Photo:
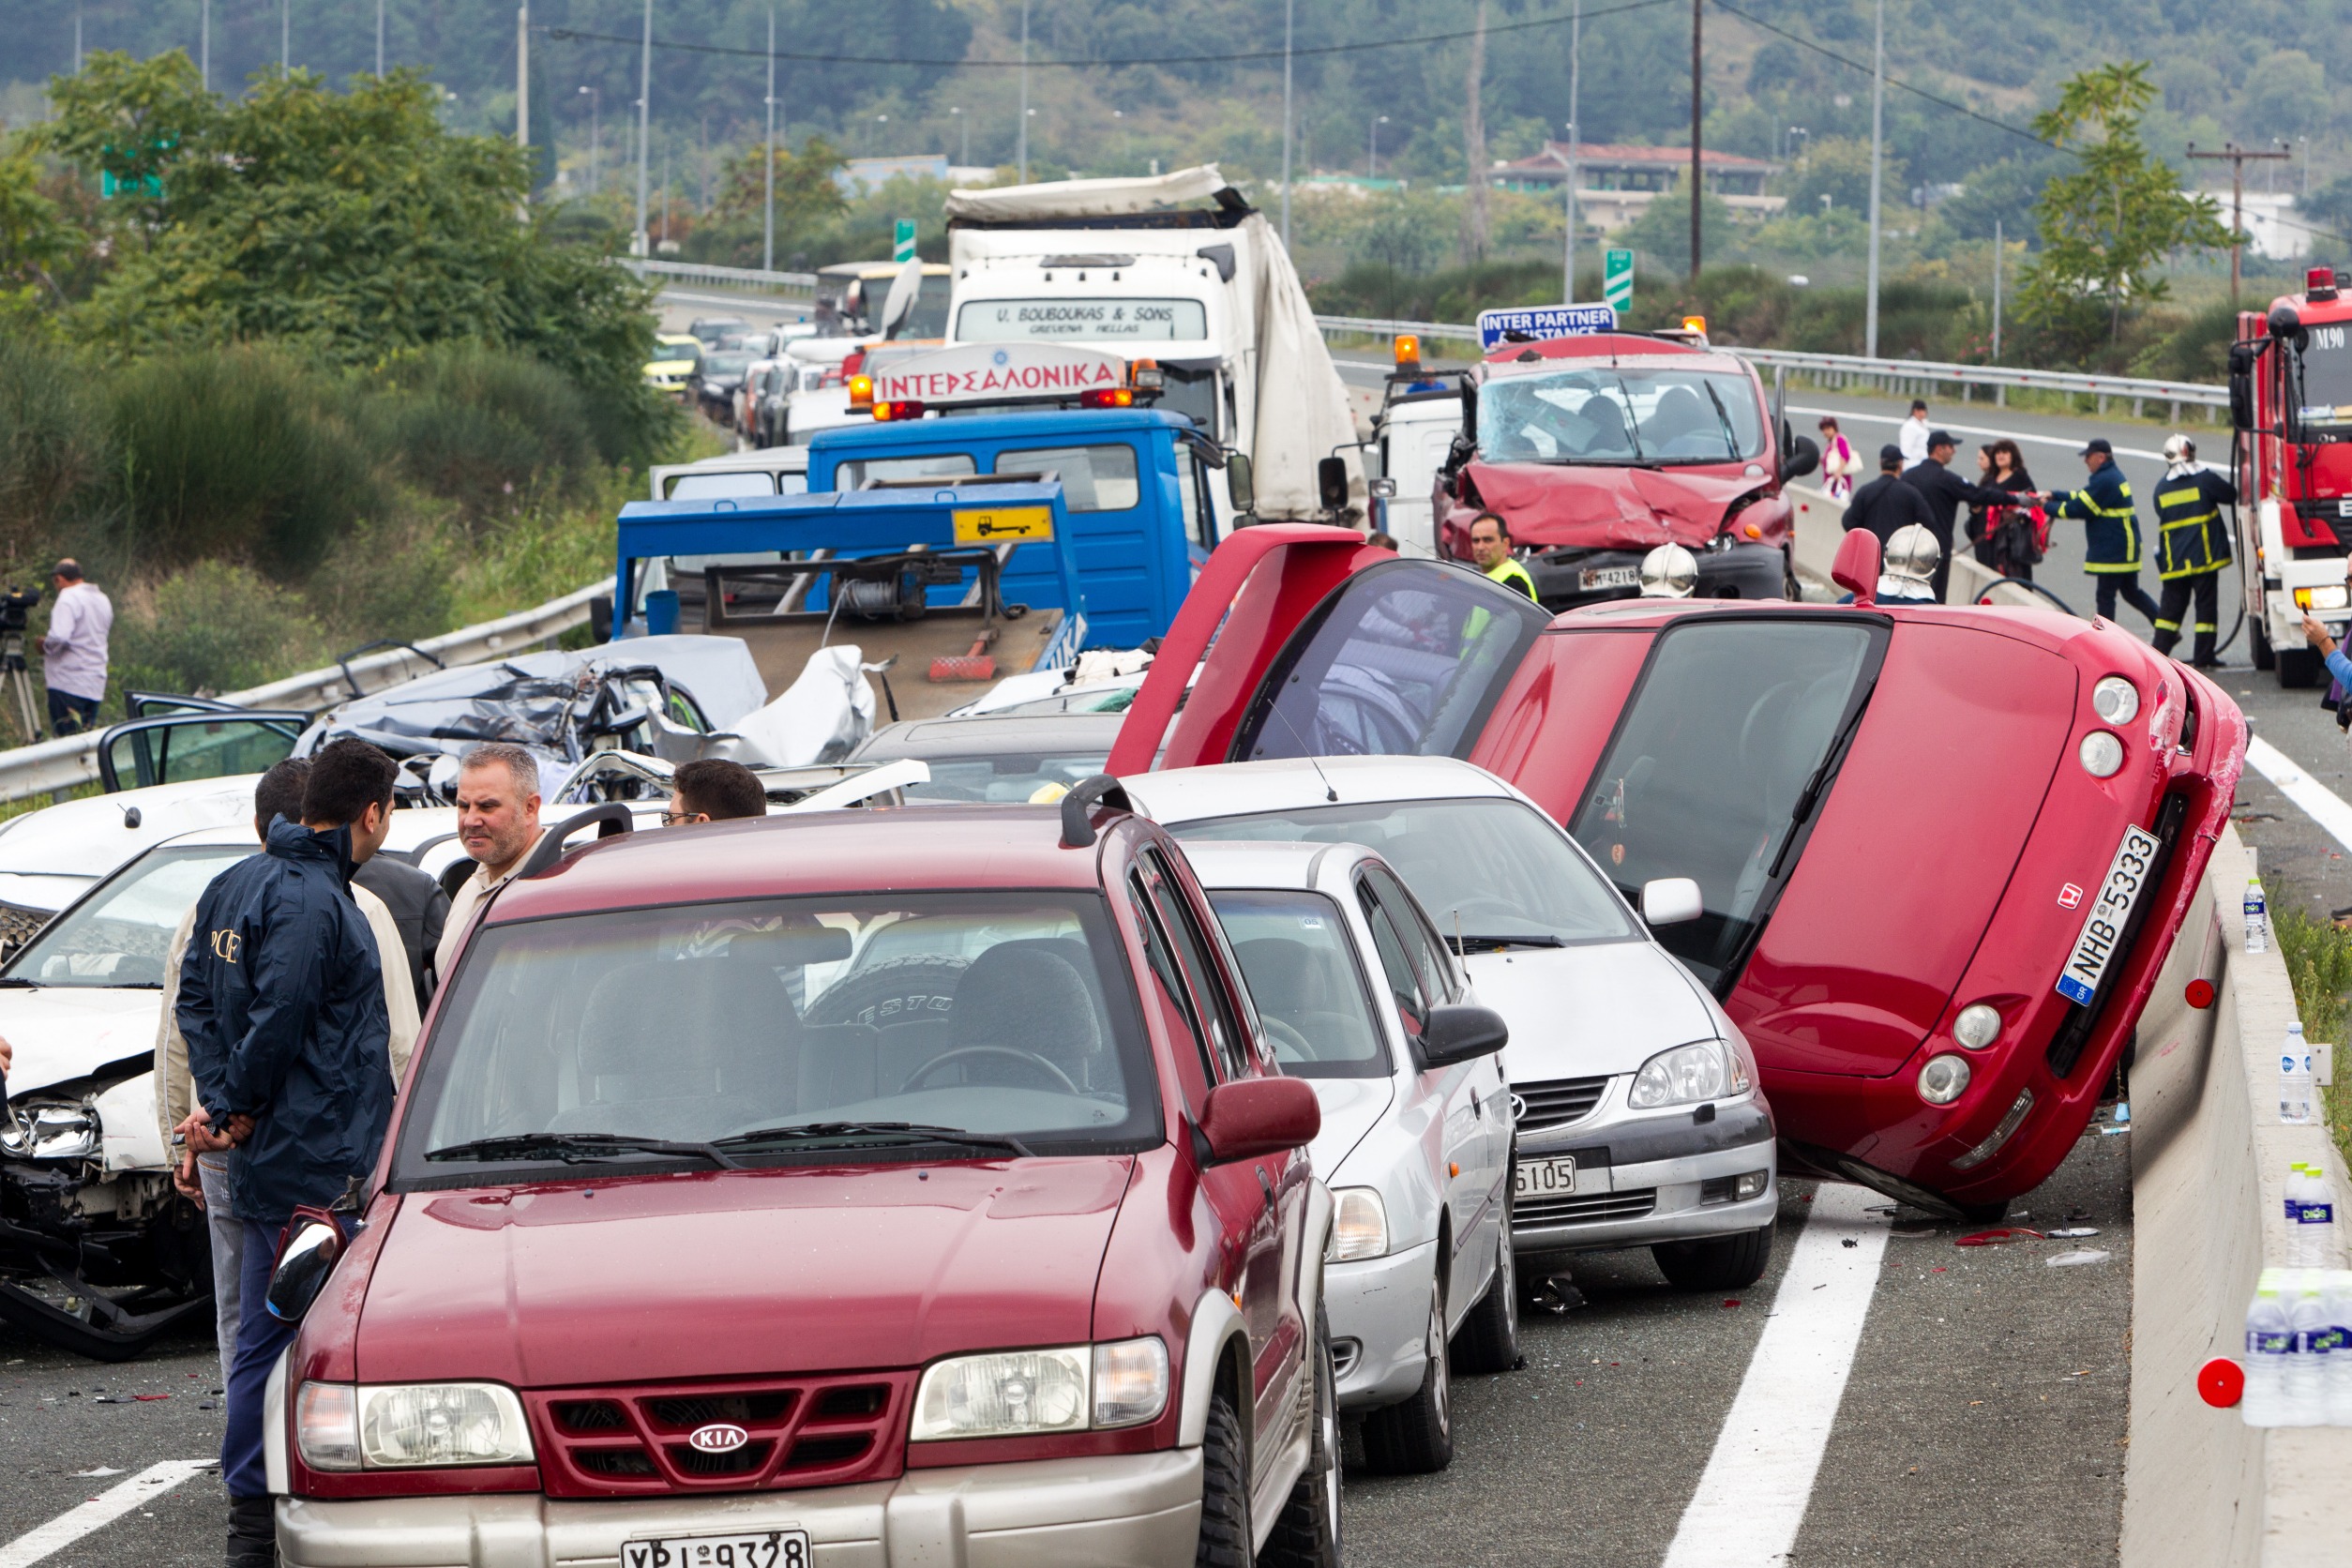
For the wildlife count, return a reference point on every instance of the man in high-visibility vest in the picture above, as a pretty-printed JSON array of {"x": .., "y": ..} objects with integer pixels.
[
  {"x": 1490, "y": 547},
  {"x": 2111, "y": 529},
  {"x": 2192, "y": 546}
]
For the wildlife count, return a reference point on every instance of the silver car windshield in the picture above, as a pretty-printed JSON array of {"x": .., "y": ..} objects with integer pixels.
[
  {"x": 1304, "y": 976},
  {"x": 1487, "y": 867},
  {"x": 121, "y": 936},
  {"x": 775, "y": 1027}
]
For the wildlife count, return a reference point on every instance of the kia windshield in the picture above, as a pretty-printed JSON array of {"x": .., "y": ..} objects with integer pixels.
[
  {"x": 1494, "y": 870},
  {"x": 1598, "y": 413},
  {"x": 1722, "y": 757},
  {"x": 120, "y": 936},
  {"x": 837, "y": 1028}
]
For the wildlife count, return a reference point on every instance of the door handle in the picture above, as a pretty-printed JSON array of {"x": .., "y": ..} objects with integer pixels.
[
  {"x": 1477, "y": 1108},
  {"x": 1265, "y": 1184}
]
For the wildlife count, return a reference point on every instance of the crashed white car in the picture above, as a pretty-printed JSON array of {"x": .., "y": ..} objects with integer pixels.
[
  {"x": 1361, "y": 999},
  {"x": 1641, "y": 1121}
]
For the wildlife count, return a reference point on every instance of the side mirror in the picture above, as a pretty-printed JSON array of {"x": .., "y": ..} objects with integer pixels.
[
  {"x": 312, "y": 1246},
  {"x": 1804, "y": 456},
  {"x": 1670, "y": 901},
  {"x": 1250, "y": 1116},
  {"x": 1241, "y": 484},
  {"x": 1331, "y": 483},
  {"x": 1459, "y": 1032}
]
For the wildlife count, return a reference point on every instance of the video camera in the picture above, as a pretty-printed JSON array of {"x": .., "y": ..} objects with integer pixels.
[{"x": 15, "y": 605}]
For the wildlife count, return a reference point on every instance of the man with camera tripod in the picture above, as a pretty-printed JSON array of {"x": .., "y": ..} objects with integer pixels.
[{"x": 73, "y": 654}]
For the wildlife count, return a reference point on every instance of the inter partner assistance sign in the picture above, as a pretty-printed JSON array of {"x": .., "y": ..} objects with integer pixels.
[
  {"x": 1535, "y": 322},
  {"x": 999, "y": 372}
]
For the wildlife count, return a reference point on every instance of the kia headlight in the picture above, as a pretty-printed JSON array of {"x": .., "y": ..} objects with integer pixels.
[
  {"x": 1685, "y": 1075},
  {"x": 51, "y": 1132},
  {"x": 410, "y": 1426},
  {"x": 1010, "y": 1394},
  {"x": 1359, "y": 1224}
]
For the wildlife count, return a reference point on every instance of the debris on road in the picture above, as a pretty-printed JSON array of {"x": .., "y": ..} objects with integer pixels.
[
  {"x": 1997, "y": 1237},
  {"x": 2072, "y": 1231},
  {"x": 2072, "y": 1259}
]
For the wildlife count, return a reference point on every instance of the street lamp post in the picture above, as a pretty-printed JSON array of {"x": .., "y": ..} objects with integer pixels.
[
  {"x": 1021, "y": 150},
  {"x": 1878, "y": 141},
  {"x": 965, "y": 124},
  {"x": 1289, "y": 15},
  {"x": 595, "y": 141},
  {"x": 1575, "y": 82},
  {"x": 767, "y": 198},
  {"x": 642, "y": 241},
  {"x": 1372, "y": 163}
]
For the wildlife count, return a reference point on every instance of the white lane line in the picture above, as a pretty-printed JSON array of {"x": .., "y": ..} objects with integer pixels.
[
  {"x": 1753, "y": 1495},
  {"x": 2070, "y": 444},
  {"x": 99, "y": 1512},
  {"x": 2313, "y": 798}
]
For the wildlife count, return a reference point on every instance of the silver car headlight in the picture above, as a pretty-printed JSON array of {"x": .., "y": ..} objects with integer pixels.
[
  {"x": 1686, "y": 1073},
  {"x": 410, "y": 1426},
  {"x": 51, "y": 1132},
  {"x": 1359, "y": 1226}
]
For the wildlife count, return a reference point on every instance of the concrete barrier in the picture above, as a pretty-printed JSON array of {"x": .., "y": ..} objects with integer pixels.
[
  {"x": 2209, "y": 1159},
  {"x": 1819, "y": 523}
]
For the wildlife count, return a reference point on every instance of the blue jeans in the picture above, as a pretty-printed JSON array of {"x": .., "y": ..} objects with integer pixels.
[
  {"x": 69, "y": 714},
  {"x": 260, "y": 1339}
]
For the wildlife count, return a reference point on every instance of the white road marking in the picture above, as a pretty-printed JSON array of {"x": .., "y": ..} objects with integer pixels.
[
  {"x": 2313, "y": 798},
  {"x": 1752, "y": 1497},
  {"x": 100, "y": 1511},
  {"x": 2070, "y": 444}
]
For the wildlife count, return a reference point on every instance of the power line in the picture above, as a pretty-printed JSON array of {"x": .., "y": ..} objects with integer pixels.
[{"x": 578, "y": 35}]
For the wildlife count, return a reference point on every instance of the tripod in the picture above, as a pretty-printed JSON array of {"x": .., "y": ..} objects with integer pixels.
[{"x": 20, "y": 681}]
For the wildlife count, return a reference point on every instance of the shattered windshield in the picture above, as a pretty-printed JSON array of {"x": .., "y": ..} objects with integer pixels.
[
  {"x": 121, "y": 935},
  {"x": 779, "y": 1026},
  {"x": 1602, "y": 414}
]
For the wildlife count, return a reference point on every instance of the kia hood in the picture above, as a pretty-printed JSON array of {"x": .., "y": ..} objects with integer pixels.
[
  {"x": 1580, "y": 1012},
  {"x": 63, "y": 1033},
  {"x": 1592, "y": 507},
  {"x": 608, "y": 1278}
]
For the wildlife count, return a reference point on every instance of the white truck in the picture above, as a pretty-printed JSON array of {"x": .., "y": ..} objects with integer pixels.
[{"x": 1179, "y": 269}]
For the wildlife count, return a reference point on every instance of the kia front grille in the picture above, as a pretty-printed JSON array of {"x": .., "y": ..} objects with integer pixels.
[{"x": 740, "y": 1436}]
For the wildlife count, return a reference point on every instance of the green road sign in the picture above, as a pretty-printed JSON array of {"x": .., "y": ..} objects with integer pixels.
[
  {"x": 1617, "y": 280},
  {"x": 145, "y": 184},
  {"x": 902, "y": 247}
]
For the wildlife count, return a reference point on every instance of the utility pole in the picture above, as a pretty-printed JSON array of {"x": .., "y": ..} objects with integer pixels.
[
  {"x": 77, "y": 40},
  {"x": 285, "y": 37},
  {"x": 595, "y": 141},
  {"x": 955, "y": 111},
  {"x": 1372, "y": 158},
  {"x": 523, "y": 76},
  {"x": 1997, "y": 290},
  {"x": 1698, "y": 84},
  {"x": 767, "y": 222},
  {"x": 1576, "y": 68},
  {"x": 204, "y": 45},
  {"x": 379, "y": 37},
  {"x": 2236, "y": 157},
  {"x": 1289, "y": 17},
  {"x": 1021, "y": 151},
  {"x": 641, "y": 242},
  {"x": 1877, "y": 156}
]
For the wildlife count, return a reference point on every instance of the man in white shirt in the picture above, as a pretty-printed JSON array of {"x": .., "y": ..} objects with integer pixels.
[
  {"x": 1911, "y": 435},
  {"x": 498, "y": 822},
  {"x": 73, "y": 654}
]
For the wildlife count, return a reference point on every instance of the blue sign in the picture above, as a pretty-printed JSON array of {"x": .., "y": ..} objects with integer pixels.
[{"x": 1538, "y": 321}]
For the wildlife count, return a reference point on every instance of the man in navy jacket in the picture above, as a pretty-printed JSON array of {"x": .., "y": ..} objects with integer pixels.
[{"x": 281, "y": 1003}]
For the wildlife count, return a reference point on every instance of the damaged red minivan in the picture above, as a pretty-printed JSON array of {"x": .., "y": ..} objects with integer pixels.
[
  {"x": 907, "y": 1187},
  {"x": 1943, "y": 852}
]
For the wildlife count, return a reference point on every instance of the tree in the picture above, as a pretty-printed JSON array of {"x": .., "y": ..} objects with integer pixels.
[
  {"x": 807, "y": 193},
  {"x": 1664, "y": 229},
  {"x": 36, "y": 235},
  {"x": 2106, "y": 226},
  {"x": 1838, "y": 167}
]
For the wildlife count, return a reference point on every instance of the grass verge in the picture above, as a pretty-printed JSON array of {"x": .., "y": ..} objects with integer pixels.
[{"x": 2319, "y": 964}]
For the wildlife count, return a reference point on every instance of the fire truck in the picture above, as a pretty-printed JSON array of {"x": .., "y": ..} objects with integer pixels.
[{"x": 2290, "y": 404}]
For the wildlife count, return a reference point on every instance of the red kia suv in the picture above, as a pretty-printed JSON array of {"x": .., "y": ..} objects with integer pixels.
[{"x": 910, "y": 1185}]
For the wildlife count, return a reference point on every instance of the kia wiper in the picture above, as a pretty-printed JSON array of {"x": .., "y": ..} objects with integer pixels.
[
  {"x": 572, "y": 1147},
  {"x": 919, "y": 1132},
  {"x": 1525, "y": 939}
]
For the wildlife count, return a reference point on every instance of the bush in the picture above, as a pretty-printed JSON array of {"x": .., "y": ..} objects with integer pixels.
[
  {"x": 388, "y": 580},
  {"x": 53, "y": 452},
  {"x": 215, "y": 626},
  {"x": 241, "y": 454},
  {"x": 483, "y": 426}
]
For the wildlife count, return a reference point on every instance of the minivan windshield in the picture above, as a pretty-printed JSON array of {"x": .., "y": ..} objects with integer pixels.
[
  {"x": 1603, "y": 415},
  {"x": 1722, "y": 756},
  {"x": 121, "y": 936},
  {"x": 835, "y": 1027},
  {"x": 1493, "y": 869}
]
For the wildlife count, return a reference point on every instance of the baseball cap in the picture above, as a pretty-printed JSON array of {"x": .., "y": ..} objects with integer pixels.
[
  {"x": 1890, "y": 453},
  {"x": 67, "y": 569},
  {"x": 2097, "y": 444},
  {"x": 1940, "y": 438}
]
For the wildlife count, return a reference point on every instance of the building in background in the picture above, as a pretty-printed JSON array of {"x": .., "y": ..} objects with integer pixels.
[{"x": 1615, "y": 184}]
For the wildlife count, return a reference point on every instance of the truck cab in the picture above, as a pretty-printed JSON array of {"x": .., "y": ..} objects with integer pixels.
[{"x": 2290, "y": 405}]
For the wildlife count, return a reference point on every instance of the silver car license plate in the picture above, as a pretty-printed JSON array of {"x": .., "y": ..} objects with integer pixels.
[
  {"x": 1546, "y": 1178},
  {"x": 768, "y": 1548},
  {"x": 2110, "y": 912},
  {"x": 1592, "y": 579}
]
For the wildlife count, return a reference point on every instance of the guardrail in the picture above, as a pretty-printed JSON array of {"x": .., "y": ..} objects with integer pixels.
[
  {"x": 1844, "y": 371},
  {"x": 72, "y": 760},
  {"x": 802, "y": 283}
]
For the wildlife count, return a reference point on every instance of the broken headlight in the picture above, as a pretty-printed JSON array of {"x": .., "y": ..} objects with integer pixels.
[{"x": 51, "y": 1132}]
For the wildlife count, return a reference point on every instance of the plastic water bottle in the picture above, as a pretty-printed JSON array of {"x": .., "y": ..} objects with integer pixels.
[
  {"x": 2315, "y": 1221},
  {"x": 2305, "y": 1401},
  {"x": 2339, "y": 1350},
  {"x": 2270, "y": 1342},
  {"x": 2258, "y": 917},
  {"x": 2295, "y": 1076}
]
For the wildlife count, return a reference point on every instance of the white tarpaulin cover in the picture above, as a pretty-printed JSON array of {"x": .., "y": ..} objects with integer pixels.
[
  {"x": 820, "y": 717},
  {"x": 1302, "y": 406}
]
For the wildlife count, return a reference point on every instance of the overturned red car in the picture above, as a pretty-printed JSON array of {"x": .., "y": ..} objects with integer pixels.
[{"x": 1943, "y": 852}]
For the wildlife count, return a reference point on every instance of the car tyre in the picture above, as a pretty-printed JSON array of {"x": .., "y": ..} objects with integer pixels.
[
  {"x": 1225, "y": 1538},
  {"x": 1718, "y": 1263},
  {"x": 1416, "y": 1437},
  {"x": 861, "y": 997},
  {"x": 1490, "y": 1339},
  {"x": 1307, "y": 1536}
]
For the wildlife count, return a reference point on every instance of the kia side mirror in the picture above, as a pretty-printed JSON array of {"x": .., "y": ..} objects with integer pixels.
[
  {"x": 1240, "y": 486},
  {"x": 1460, "y": 1032},
  {"x": 1804, "y": 456},
  {"x": 1670, "y": 901},
  {"x": 304, "y": 1263},
  {"x": 1251, "y": 1117}
]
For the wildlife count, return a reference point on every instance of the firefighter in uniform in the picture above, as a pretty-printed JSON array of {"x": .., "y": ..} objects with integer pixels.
[
  {"x": 1490, "y": 547},
  {"x": 2111, "y": 529},
  {"x": 2192, "y": 546}
]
